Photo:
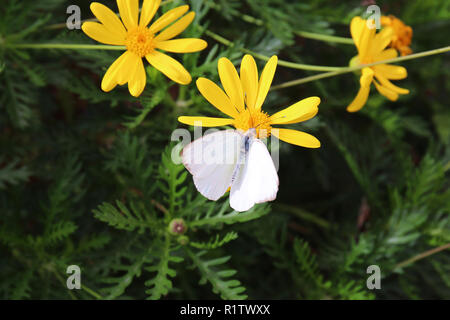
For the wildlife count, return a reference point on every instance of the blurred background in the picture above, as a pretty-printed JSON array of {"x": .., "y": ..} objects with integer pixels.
[{"x": 86, "y": 177}]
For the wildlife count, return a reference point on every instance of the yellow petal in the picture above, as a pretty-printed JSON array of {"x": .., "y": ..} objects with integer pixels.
[
  {"x": 205, "y": 121},
  {"x": 231, "y": 83},
  {"x": 216, "y": 97},
  {"x": 382, "y": 39},
  {"x": 129, "y": 12},
  {"x": 298, "y": 112},
  {"x": 386, "y": 54},
  {"x": 391, "y": 72},
  {"x": 363, "y": 93},
  {"x": 389, "y": 85},
  {"x": 128, "y": 67},
  {"x": 176, "y": 28},
  {"x": 249, "y": 80},
  {"x": 149, "y": 8},
  {"x": 366, "y": 77},
  {"x": 182, "y": 45},
  {"x": 169, "y": 66},
  {"x": 109, "y": 80},
  {"x": 168, "y": 17},
  {"x": 266, "y": 81},
  {"x": 366, "y": 41},
  {"x": 138, "y": 79},
  {"x": 360, "y": 99},
  {"x": 298, "y": 138},
  {"x": 99, "y": 33},
  {"x": 391, "y": 95},
  {"x": 109, "y": 20},
  {"x": 356, "y": 28}
]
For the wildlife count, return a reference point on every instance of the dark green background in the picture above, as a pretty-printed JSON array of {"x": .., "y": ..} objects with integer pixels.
[{"x": 376, "y": 192}]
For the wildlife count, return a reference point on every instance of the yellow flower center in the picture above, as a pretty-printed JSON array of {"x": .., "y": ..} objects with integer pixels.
[
  {"x": 140, "y": 41},
  {"x": 254, "y": 119}
]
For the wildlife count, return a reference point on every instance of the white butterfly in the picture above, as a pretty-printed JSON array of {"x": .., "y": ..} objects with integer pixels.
[{"x": 233, "y": 159}]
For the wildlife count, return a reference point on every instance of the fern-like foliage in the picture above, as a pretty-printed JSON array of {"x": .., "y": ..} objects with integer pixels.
[
  {"x": 22, "y": 287},
  {"x": 215, "y": 242},
  {"x": 213, "y": 217},
  {"x": 127, "y": 272},
  {"x": 11, "y": 173},
  {"x": 307, "y": 262},
  {"x": 172, "y": 177},
  {"x": 130, "y": 159},
  {"x": 148, "y": 103},
  {"x": 218, "y": 275},
  {"x": 164, "y": 254},
  {"x": 161, "y": 284},
  {"x": 124, "y": 218}
]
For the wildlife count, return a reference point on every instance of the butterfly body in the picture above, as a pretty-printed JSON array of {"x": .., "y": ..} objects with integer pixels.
[{"x": 250, "y": 134}]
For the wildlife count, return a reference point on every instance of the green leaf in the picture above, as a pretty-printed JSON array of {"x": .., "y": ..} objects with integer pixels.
[
  {"x": 216, "y": 242},
  {"x": 123, "y": 218},
  {"x": 12, "y": 174},
  {"x": 228, "y": 289},
  {"x": 59, "y": 231},
  {"x": 172, "y": 176},
  {"x": 161, "y": 284},
  {"x": 212, "y": 218},
  {"x": 22, "y": 287}
]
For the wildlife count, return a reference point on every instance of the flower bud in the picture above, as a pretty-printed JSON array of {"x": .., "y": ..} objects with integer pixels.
[{"x": 177, "y": 227}]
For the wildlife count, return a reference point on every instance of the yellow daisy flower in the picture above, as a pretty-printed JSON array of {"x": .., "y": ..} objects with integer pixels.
[
  {"x": 142, "y": 41},
  {"x": 402, "y": 36},
  {"x": 242, "y": 100},
  {"x": 372, "y": 48}
]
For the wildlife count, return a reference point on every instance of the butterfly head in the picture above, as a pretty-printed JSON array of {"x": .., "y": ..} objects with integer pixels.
[{"x": 251, "y": 133}]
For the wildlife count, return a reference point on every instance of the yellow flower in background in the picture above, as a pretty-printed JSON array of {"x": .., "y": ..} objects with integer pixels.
[
  {"x": 372, "y": 48},
  {"x": 243, "y": 98},
  {"x": 142, "y": 41},
  {"x": 401, "y": 38}
]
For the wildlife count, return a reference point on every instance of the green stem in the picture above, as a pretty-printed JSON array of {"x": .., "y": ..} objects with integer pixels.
[
  {"x": 91, "y": 292},
  {"x": 355, "y": 68},
  {"x": 64, "y": 46},
  {"x": 283, "y": 63},
  {"x": 294, "y": 65},
  {"x": 60, "y": 279},
  {"x": 324, "y": 37},
  {"x": 422, "y": 256},
  {"x": 85, "y": 288}
]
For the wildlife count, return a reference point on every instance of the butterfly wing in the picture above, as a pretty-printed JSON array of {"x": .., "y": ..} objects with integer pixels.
[
  {"x": 257, "y": 180},
  {"x": 211, "y": 160}
]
